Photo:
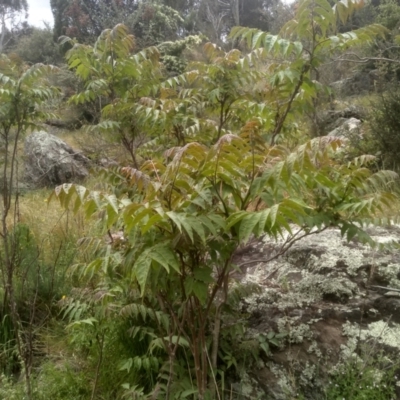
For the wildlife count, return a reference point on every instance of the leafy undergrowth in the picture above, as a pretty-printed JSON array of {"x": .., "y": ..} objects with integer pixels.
[{"x": 369, "y": 376}]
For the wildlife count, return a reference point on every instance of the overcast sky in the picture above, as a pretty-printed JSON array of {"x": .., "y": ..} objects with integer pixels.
[{"x": 39, "y": 11}]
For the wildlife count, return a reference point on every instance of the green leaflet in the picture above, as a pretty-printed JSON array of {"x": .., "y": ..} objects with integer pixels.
[
  {"x": 247, "y": 225},
  {"x": 160, "y": 254},
  {"x": 141, "y": 270},
  {"x": 165, "y": 256},
  {"x": 203, "y": 274},
  {"x": 200, "y": 290},
  {"x": 182, "y": 223},
  {"x": 188, "y": 285}
]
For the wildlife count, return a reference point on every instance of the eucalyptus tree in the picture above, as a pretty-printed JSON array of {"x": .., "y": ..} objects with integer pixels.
[
  {"x": 10, "y": 11},
  {"x": 150, "y": 20},
  {"x": 86, "y": 19}
]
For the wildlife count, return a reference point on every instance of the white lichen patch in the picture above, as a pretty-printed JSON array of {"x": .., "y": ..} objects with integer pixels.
[
  {"x": 262, "y": 301},
  {"x": 352, "y": 258},
  {"x": 318, "y": 267},
  {"x": 308, "y": 374},
  {"x": 294, "y": 299},
  {"x": 390, "y": 273},
  {"x": 284, "y": 380},
  {"x": 296, "y": 332},
  {"x": 333, "y": 249},
  {"x": 389, "y": 335},
  {"x": 382, "y": 234},
  {"x": 348, "y": 351},
  {"x": 249, "y": 387},
  {"x": 314, "y": 349},
  {"x": 380, "y": 331},
  {"x": 275, "y": 298},
  {"x": 317, "y": 286}
]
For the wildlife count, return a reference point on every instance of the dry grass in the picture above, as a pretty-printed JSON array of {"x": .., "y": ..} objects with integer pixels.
[
  {"x": 51, "y": 226},
  {"x": 75, "y": 138},
  {"x": 95, "y": 146}
]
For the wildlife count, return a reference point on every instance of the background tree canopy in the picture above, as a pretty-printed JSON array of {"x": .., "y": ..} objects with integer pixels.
[
  {"x": 9, "y": 11},
  {"x": 155, "y": 20}
]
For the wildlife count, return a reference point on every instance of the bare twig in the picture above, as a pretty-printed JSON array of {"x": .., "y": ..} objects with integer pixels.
[
  {"x": 363, "y": 60},
  {"x": 289, "y": 242}
]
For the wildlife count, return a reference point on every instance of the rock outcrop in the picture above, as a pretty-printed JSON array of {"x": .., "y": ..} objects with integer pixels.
[
  {"x": 350, "y": 126},
  {"x": 328, "y": 295},
  {"x": 49, "y": 161},
  {"x": 330, "y": 120},
  {"x": 361, "y": 82}
]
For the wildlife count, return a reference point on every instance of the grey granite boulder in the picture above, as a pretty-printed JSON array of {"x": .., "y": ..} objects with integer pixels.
[{"x": 50, "y": 161}]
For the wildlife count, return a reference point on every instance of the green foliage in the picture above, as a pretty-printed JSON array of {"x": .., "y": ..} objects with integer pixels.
[
  {"x": 266, "y": 90},
  {"x": 154, "y": 22},
  {"x": 9, "y": 362},
  {"x": 271, "y": 339},
  {"x": 304, "y": 50},
  {"x": 61, "y": 382},
  {"x": 37, "y": 285},
  {"x": 172, "y": 56},
  {"x": 58, "y": 382},
  {"x": 222, "y": 179},
  {"x": 22, "y": 93},
  {"x": 122, "y": 81},
  {"x": 38, "y": 46},
  {"x": 384, "y": 129},
  {"x": 8, "y": 390},
  {"x": 151, "y": 21},
  {"x": 389, "y": 15},
  {"x": 184, "y": 219},
  {"x": 362, "y": 378},
  {"x": 86, "y": 19}
]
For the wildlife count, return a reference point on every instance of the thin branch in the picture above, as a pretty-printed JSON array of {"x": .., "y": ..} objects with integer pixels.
[
  {"x": 363, "y": 60},
  {"x": 289, "y": 242}
]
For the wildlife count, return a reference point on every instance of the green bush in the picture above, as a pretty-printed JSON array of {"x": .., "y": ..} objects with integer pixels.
[
  {"x": 38, "y": 47},
  {"x": 385, "y": 129},
  {"x": 363, "y": 379},
  {"x": 62, "y": 382}
]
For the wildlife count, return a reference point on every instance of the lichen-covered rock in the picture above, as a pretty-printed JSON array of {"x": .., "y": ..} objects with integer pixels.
[
  {"x": 49, "y": 161},
  {"x": 326, "y": 294},
  {"x": 351, "y": 126},
  {"x": 329, "y": 120}
]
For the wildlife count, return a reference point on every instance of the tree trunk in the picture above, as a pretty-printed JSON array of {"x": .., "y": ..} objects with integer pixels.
[{"x": 2, "y": 33}]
